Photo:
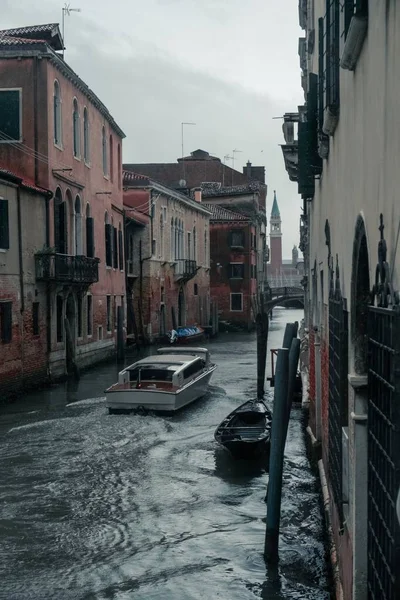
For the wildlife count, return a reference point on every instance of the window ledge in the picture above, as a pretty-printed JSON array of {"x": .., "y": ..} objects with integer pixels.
[
  {"x": 354, "y": 42},
  {"x": 87, "y": 164},
  {"x": 11, "y": 141},
  {"x": 60, "y": 147},
  {"x": 78, "y": 158},
  {"x": 330, "y": 121},
  {"x": 3, "y": 250}
]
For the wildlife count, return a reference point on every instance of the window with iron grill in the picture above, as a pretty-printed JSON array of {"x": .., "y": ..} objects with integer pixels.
[
  {"x": 331, "y": 55},
  {"x": 338, "y": 394},
  {"x": 236, "y": 271},
  {"x": 351, "y": 8},
  {"x": 383, "y": 452}
]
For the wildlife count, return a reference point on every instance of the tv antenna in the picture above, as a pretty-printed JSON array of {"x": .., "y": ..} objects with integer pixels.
[{"x": 67, "y": 10}]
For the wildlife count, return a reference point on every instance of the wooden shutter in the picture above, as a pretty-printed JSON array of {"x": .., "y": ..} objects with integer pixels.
[
  {"x": 10, "y": 115},
  {"x": 90, "y": 237},
  {"x": 108, "y": 238},
  {"x": 120, "y": 250},
  {"x": 115, "y": 248},
  {"x": 6, "y": 321},
  {"x": 4, "y": 225}
]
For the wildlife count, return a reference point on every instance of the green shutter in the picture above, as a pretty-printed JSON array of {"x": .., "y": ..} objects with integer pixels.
[
  {"x": 120, "y": 250},
  {"x": 4, "y": 225},
  {"x": 10, "y": 115},
  {"x": 108, "y": 238},
  {"x": 90, "y": 237}
]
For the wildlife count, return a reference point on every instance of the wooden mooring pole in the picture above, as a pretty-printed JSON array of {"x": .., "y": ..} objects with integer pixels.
[
  {"x": 262, "y": 325},
  {"x": 278, "y": 437}
]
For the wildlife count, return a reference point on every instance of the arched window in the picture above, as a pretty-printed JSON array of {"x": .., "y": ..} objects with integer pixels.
[
  {"x": 181, "y": 251},
  {"x": 78, "y": 227},
  {"x": 120, "y": 248},
  {"x": 119, "y": 166},
  {"x": 108, "y": 240},
  {"x": 60, "y": 223},
  {"x": 161, "y": 246},
  {"x": 194, "y": 244},
  {"x": 89, "y": 233},
  {"x": 111, "y": 159},
  {"x": 176, "y": 236},
  {"x": 76, "y": 130},
  {"x": 104, "y": 149},
  {"x": 57, "y": 114},
  {"x": 86, "y": 147},
  {"x": 172, "y": 239}
]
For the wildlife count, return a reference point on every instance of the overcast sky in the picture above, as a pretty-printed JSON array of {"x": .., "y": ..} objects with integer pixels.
[{"x": 227, "y": 65}]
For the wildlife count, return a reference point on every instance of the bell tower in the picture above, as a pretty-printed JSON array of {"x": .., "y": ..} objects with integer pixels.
[{"x": 275, "y": 235}]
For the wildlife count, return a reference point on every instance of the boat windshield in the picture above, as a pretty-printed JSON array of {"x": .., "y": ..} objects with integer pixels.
[{"x": 153, "y": 372}]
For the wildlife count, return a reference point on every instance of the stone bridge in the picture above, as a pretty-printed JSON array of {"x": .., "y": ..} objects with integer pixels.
[{"x": 276, "y": 296}]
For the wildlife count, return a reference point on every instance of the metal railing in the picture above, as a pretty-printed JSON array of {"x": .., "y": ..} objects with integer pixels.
[
  {"x": 185, "y": 269},
  {"x": 65, "y": 268}
]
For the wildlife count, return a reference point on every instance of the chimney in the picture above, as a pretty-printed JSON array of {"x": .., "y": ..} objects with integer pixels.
[
  {"x": 248, "y": 170},
  {"x": 197, "y": 194}
]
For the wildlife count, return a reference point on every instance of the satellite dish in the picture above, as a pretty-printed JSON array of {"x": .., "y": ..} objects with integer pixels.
[{"x": 182, "y": 183}]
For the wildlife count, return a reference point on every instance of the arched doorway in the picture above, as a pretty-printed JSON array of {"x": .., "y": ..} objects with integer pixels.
[
  {"x": 78, "y": 227},
  {"x": 70, "y": 333},
  {"x": 181, "y": 309}
]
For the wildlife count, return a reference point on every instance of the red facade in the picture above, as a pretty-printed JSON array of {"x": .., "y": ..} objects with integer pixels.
[{"x": 69, "y": 144}]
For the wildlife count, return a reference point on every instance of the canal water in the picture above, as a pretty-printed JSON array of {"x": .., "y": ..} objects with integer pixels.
[{"x": 122, "y": 507}]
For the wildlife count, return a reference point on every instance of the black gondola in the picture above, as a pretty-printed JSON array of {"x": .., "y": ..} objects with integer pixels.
[{"x": 246, "y": 431}]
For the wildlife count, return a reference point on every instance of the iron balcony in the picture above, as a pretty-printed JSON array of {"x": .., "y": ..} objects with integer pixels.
[
  {"x": 65, "y": 268},
  {"x": 185, "y": 269}
]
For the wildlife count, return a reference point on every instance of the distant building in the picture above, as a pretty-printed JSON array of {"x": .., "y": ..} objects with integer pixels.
[
  {"x": 57, "y": 135},
  {"x": 281, "y": 272},
  {"x": 167, "y": 254},
  {"x": 233, "y": 279}
]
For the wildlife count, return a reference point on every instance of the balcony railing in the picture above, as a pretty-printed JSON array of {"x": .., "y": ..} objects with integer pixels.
[
  {"x": 64, "y": 268},
  {"x": 185, "y": 269}
]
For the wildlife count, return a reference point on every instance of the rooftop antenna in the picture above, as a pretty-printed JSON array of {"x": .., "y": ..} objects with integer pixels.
[
  {"x": 233, "y": 157},
  {"x": 67, "y": 10},
  {"x": 183, "y": 154},
  {"x": 226, "y": 157}
]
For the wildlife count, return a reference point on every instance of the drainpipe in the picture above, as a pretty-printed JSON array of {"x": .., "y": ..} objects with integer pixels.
[{"x": 35, "y": 118}]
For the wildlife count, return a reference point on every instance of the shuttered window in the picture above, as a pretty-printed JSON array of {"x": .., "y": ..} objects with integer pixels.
[
  {"x": 108, "y": 236},
  {"x": 120, "y": 250},
  {"x": 6, "y": 322},
  {"x": 90, "y": 237},
  {"x": 10, "y": 115},
  {"x": 4, "y": 225},
  {"x": 115, "y": 248}
]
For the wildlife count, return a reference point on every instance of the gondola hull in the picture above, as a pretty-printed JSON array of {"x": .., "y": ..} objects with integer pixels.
[{"x": 245, "y": 432}]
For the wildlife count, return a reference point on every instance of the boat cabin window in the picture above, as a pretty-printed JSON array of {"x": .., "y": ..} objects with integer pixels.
[
  {"x": 153, "y": 373},
  {"x": 196, "y": 366}
]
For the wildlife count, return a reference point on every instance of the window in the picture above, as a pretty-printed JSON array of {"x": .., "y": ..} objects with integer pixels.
[
  {"x": 130, "y": 255},
  {"x": 104, "y": 150},
  {"x": 89, "y": 233},
  {"x": 89, "y": 328},
  {"x": 35, "y": 318},
  {"x": 57, "y": 114},
  {"x": 86, "y": 138},
  {"x": 236, "y": 302},
  {"x": 195, "y": 289},
  {"x": 194, "y": 244},
  {"x": 119, "y": 166},
  {"x": 172, "y": 240},
  {"x": 115, "y": 248},
  {"x": 237, "y": 239},
  {"x": 76, "y": 124},
  {"x": 111, "y": 159},
  {"x": 153, "y": 247},
  {"x": 332, "y": 38},
  {"x": 10, "y": 116},
  {"x": 120, "y": 248},
  {"x": 79, "y": 310},
  {"x": 161, "y": 248},
  {"x": 162, "y": 295},
  {"x": 6, "y": 322},
  {"x": 123, "y": 309},
  {"x": 108, "y": 313},
  {"x": 4, "y": 225},
  {"x": 78, "y": 227},
  {"x": 189, "y": 245},
  {"x": 115, "y": 312},
  {"x": 108, "y": 240},
  {"x": 205, "y": 249},
  {"x": 236, "y": 271},
  {"x": 60, "y": 327}
]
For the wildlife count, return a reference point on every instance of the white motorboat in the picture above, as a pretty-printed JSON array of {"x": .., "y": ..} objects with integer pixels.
[{"x": 166, "y": 382}]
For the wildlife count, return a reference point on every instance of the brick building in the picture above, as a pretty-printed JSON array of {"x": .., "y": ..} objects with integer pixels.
[
  {"x": 167, "y": 253},
  {"x": 233, "y": 276},
  {"x": 56, "y": 133},
  {"x": 23, "y": 339}
]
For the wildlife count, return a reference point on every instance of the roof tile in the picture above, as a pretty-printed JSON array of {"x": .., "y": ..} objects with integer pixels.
[{"x": 219, "y": 213}]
